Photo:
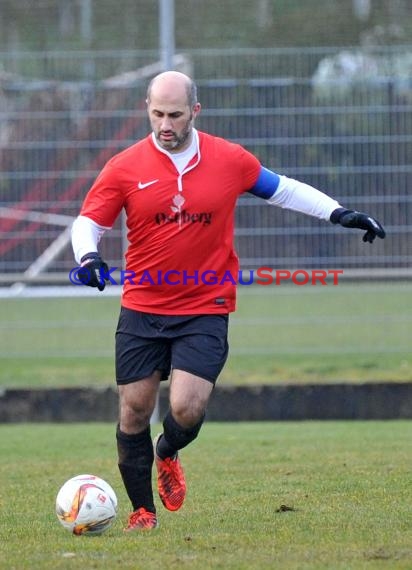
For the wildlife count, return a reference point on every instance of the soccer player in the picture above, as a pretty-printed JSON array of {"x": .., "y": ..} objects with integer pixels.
[{"x": 178, "y": 187}]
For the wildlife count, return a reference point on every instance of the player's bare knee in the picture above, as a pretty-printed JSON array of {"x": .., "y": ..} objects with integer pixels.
[
  {"x": 134, "y": 419},
  {"x": 187, "y": 415}
]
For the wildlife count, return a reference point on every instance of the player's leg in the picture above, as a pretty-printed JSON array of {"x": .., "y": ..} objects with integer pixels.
[
  {"x": 189, "y": 395},
  {"x": 134, "y": 445},
  {"x": 141, "y": 362},
  {"x": 198, "y": 356}
]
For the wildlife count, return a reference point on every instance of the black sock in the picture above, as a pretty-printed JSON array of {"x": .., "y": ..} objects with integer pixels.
[
  {"x": 136, "y": 457},
  {"x": 175, "y": 436}
]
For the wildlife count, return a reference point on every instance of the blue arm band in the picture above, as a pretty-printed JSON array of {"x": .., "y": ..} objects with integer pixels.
[{"x": 266, "y": 185}]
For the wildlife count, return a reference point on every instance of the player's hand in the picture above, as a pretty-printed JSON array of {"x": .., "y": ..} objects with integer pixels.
[
  {"x": 93, "y": 270},
  {"x": 353, "y": 219}
]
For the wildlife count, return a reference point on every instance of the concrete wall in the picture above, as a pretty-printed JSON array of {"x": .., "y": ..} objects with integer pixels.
[{"x": 261, "y": 403}]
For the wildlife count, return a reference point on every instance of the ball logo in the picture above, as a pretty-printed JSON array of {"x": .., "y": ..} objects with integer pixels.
[{"x": 102, "y": 498}]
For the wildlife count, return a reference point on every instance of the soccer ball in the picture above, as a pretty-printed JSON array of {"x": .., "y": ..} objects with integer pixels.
[{"x": 86, "y": 504}]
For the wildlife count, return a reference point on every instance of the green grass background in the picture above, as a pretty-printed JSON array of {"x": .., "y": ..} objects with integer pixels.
[
  {"x": 353, "y": 332},
  {"x": 349, "y": 485}
]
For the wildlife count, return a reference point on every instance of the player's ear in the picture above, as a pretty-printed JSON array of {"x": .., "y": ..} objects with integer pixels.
[{"x": 196, "y": 109}]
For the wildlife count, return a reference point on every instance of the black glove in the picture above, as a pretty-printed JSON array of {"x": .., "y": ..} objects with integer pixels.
[
  {"x": 352, "y": 219},
  {"x": 92, "y": 271}
]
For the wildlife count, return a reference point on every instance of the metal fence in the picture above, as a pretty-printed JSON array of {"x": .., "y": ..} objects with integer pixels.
[{"x": 339, "y": 120}]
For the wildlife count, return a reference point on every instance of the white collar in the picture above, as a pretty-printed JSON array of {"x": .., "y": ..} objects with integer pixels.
[{"x": 181, "y": 159}]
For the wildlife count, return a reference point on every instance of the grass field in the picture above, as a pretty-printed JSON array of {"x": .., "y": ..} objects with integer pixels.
[
  {"x": 348, "y": 487},
  {"x": 357, "y": 332}
]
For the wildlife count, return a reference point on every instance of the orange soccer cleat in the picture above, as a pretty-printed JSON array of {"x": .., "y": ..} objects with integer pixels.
[
  {"x": 141, "y": 520},
  {"x": 171, "y": 482}
]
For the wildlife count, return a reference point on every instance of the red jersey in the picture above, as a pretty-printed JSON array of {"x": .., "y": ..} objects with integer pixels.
[{"x": 181, "y": 258}]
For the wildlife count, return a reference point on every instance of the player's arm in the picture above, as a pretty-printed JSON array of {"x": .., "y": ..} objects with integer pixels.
[
  {"x": 86, "y": 235},
  {"x": 292, "y": 194},
  {"x": 99, "y": 211}
]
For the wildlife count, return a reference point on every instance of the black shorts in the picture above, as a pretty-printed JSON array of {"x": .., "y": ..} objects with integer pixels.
[{"x": 146, "y": 342}]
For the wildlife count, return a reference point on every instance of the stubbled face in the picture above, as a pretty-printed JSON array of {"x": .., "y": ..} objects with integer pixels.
[{"x": 171, "y": 117}]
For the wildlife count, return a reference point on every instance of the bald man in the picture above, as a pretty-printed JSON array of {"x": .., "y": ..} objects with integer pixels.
[{"x": 178, "y": 188}]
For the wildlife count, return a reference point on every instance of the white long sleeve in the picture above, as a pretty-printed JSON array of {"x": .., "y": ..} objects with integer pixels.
[
  {"x": 300, "y": 197},
  {"x": 86, "y": 235}
]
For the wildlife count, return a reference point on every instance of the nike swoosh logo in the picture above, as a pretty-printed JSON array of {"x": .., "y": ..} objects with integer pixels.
[{"x": 142, "y": 185}]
